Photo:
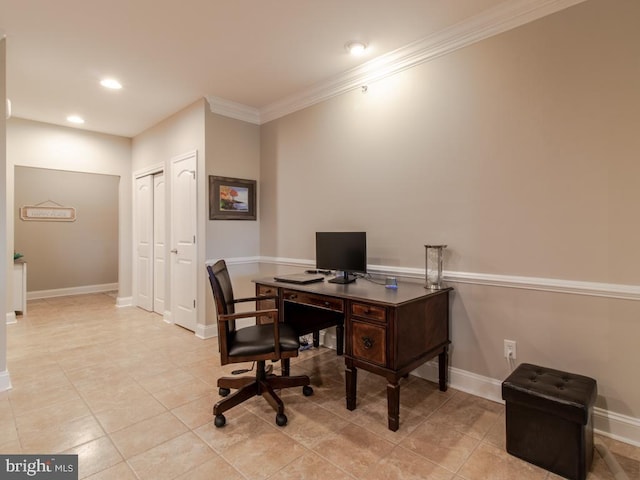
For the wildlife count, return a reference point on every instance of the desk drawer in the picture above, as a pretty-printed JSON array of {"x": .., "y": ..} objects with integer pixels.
[
  {"x": 265, "y": 304},
  {"x": 371, "y": 312},
  {"x": 369, "y": 342},
  {"x": 266, "y": 290},
  {"x": 330, "y": 303}
]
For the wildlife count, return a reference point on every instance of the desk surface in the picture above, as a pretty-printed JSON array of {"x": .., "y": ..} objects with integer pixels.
[{"x": 361, "y": 289}]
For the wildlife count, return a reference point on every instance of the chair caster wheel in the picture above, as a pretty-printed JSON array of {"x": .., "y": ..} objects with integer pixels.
[
  {"x": 223, "y": 392},
  {"x": 307, "y": 391},
  {"x": 281, "y": 419},
  {"x": 220, "y": 421}
]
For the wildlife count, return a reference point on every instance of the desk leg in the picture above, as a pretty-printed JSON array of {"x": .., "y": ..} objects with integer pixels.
[
  {"x": 393, "y": 406},
  {"x": 351, "y": 381},
  {"x": 340, "y": 339},
  {"x": 443, "y": 367}
]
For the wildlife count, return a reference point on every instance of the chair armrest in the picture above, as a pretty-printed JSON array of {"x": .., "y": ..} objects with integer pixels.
[
  {"x": 255, "y": 299},
  {"x": 272, "y": 312}
]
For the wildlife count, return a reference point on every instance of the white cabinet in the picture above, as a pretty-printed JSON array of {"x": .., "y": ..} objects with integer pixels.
[{"x": 20, "y": 286}]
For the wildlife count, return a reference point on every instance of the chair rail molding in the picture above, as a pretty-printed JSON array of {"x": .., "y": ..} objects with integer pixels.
[
  {"x": 576, "y": 287},
  {"x": 595, "y": 289}
]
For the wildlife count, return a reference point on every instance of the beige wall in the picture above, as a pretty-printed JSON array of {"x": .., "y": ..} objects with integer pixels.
[
  {"x": 68, "y": 254},
  {"x": 41, "y": 145},
  {"x": 233, "y": 150},
  {"x": 225, "y": 147},
  {"x": 520, "y": 152},
  {"x": 181, "y": 133}
]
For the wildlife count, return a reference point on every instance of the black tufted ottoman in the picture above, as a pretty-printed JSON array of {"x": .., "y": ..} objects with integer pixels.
[{"x": 549, "y": 419}]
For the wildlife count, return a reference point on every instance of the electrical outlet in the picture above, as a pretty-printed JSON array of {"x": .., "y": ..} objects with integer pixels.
[{"x": 510, "y": 349}]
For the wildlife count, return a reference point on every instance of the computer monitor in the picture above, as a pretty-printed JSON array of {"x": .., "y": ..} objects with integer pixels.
[{"x": 342, "y": 251}]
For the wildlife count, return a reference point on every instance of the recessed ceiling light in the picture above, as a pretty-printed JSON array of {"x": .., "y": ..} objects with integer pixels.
[
  {"x": 75, "y": 119},
  {"x": 111, "y": 83},
  {"x": 356, "y": 48}
]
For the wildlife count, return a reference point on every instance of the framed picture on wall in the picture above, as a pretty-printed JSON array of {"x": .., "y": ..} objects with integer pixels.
[{"x": 231, "y": 198}]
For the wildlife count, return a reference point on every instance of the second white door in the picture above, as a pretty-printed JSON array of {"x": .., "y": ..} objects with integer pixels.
[{"x": 183, "y": 240}]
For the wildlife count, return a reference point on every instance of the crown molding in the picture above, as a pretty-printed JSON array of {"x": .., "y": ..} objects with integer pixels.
[
  {"x": 501, "y": 18},
  {"x": 235, "y": 110},
  {"x": 505, "y": 16}
]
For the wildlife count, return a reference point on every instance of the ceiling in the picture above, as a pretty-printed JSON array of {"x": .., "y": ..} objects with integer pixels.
[{"x": 167, "y": 54}]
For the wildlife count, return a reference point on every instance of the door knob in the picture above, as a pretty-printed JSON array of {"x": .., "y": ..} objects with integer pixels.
[{"x": 175, "y": 250}]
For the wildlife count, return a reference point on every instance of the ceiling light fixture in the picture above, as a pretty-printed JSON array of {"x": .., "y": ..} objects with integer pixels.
[
  {"x": 111, "y": 83},
  {"x": 75, "y": 119},
  {"x": 356, "y": 48}
]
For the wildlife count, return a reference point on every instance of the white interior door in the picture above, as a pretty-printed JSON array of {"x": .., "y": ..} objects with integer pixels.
[
  {"x": 144, "y": 242},
  {"x": 159, "y": 242},
  {"x": 183, "y": 241}
]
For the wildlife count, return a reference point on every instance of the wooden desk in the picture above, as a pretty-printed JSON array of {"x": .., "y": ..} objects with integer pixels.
[{"x": 388, "y": 332}]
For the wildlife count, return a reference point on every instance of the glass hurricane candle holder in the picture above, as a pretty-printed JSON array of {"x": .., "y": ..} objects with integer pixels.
[{"x": 434, "y": 256}]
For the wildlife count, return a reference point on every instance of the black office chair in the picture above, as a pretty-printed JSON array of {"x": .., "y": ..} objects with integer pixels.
[{"x": 256, "y": 343}]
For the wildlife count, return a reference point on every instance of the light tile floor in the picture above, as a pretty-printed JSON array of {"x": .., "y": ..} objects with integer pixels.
[{"x": 132, "y": 395}]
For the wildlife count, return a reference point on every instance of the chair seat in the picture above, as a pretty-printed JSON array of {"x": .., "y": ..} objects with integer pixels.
[{"x": 258, "y": 340}]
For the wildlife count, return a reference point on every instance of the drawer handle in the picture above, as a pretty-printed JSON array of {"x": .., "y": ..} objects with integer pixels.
[
  {"x": 293, "y": 296},
  {"x": 327, "y": 304},
  {"x": 367, "y": 342}
]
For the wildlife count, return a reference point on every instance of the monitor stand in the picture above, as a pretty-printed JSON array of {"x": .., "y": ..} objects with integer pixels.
[{"x": 346, "y": 277}]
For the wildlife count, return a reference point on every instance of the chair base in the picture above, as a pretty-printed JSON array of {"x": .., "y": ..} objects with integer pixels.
[{"x": 261, "y": 384}]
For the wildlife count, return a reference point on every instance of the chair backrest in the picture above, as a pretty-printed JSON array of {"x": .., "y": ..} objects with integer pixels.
[
  {"x": 222, "y": 287},
  {"x": 223, "y": 296}
]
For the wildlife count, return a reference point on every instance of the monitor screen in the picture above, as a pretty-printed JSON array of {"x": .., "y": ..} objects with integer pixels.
[{"x": 342, "y": 251}]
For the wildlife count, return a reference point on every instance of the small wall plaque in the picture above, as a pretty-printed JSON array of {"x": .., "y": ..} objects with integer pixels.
[{"x": 48, "y": 214}]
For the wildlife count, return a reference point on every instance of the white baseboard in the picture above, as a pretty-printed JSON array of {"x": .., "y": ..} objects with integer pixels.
[
  {"x": 63, "y": 292},
  {"x": 124, "y": 302},
  {"x": 5, "y": 381},
  {"x": 167, "y": 317},
  {"x": 610, "y": 424},
  {"x": 462, "y": 380},
  {"x": 11, "y": 318},
  {"x": 619, "y": 427},
  {"x": 206, "y": 331}
]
